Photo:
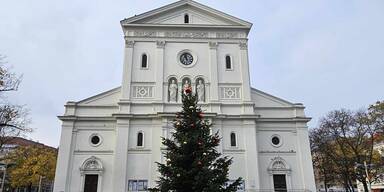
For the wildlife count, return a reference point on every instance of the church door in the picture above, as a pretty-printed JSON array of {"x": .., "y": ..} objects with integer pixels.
[
  {"x": 90, "y": 184},
  {"x": 279, "y": 183}
]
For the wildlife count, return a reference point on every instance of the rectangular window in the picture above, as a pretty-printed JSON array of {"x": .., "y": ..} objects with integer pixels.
[{"x": 137, "y": 185}]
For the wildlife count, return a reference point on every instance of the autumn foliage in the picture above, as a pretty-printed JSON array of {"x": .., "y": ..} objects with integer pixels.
[{"x": 30, "y": 163}]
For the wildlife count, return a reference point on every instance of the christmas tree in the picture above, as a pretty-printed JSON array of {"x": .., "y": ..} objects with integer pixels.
[{"x": 192, "y": 162}]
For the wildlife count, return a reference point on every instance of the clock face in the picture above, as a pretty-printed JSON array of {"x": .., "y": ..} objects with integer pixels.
[{"x": 186, "y": 58}]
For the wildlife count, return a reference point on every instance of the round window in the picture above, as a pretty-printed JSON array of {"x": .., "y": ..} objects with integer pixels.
[
  {"x": 275, "y": 140},
  {"x": 95, "y": 140}
]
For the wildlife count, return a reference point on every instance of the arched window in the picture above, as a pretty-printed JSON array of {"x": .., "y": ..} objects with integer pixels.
[
  {"x": 140, "y": 139},
  {"x": 233, "y": 139},
  {"x": 144, "y": 61},
  {"x": 186, "y": 18},
  {"x": 228, "y": 62}
]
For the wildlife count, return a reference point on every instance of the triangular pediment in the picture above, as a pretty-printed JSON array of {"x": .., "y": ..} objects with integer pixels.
[
  {"x": 263, "y": 99},
  {"x": 198, "y": 14}
]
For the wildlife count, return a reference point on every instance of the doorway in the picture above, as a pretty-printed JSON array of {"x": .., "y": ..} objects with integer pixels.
[
  {"x": 279, "y": 183},
  {"x": 90, "y": 184}
]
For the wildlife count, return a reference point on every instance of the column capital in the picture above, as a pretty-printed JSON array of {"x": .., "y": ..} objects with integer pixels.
[
  {"x": 129, "y": 43},
  {"x": 243, "y": 45},
  {"x": 161, "y": 44},
  {"x": 213, "y": 44}
]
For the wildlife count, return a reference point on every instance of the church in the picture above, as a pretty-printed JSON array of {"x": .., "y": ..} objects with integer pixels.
[{"x": 111, "y": 141}]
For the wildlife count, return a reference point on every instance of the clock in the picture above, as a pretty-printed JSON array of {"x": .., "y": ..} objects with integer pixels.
[{"x": 186, "y": 59}]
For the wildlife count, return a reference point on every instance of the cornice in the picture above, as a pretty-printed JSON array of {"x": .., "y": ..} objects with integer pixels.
[
  {"x": 186, "y": 26},
  {"x": 287, "y": 119},
  {"x": 183, "y": 33}
]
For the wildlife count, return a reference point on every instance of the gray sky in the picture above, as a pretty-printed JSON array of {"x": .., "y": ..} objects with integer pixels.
[{"x": 326, "y": 54}]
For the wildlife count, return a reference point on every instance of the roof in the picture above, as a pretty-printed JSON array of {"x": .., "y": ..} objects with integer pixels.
[{"x": 19, "y": 141}]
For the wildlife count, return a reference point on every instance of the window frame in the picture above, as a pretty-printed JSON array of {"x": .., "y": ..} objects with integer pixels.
[
  {"x": 142, "y": 139},
  {"x": 187, "y": 19},
  {"x": 95, "y": 135},
  {"x": 230, "y": 62},
  {"x": 234, "y": 137},
  {"x": 146, "y": 63}
]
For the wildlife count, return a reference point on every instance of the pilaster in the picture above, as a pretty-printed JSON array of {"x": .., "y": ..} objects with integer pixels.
[
  {"x": 121, "y": 156},
  {"x": 252, "y": 159},
  {"x": 65, "y": 160},
  {"x": 214, "y": 86},
  {"x": 160, "y": 70},
  {"x": 127, "y": 69},
  {"x": 305, "y": 158},
  {"x": 244, "y": 63}
]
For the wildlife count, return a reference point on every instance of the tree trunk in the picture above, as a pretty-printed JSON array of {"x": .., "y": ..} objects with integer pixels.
[
  {"x": 365, "y": 186},
  {"x": 29, "y": 189}
]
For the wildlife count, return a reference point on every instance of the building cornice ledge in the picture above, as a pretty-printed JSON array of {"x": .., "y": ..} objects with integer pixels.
[
  {"x": 189, "y": 26},
  {"x": 293, "y": 119},
  {"x": 80, "y": 118}
]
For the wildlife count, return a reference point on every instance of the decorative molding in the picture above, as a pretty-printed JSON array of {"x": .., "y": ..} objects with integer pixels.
[
  {"x": 142, "y": 92},
  {"x": 243, "y": 45},
  {"x": 91, "y": 164},
  {"x": 230, "y": 92},
  {"x": 186, "y": 34},
  {"x": 213, "y": 45},
  {"x": 129, "y": 44},
  {"x": 144, "y": 33},
  {"x": 160, "y": 44},
  {"x": 279, "y": 152},
  {"x": 279, "y": 165},
  {"x": 227, "y": 35}
]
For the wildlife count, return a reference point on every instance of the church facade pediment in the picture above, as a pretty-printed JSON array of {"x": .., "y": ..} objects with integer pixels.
[{"x": 175, "y": 14}]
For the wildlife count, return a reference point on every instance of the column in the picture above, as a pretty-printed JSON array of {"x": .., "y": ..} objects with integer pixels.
[
  {"x": 120, "y": 182},
  {"x": 127, "y": 69},
  {"x": 252, "y": 161},
  {"x": 160, "y": 71},
  {"x": 214, "y": 84},
  {"x": 246, "y": 87}
]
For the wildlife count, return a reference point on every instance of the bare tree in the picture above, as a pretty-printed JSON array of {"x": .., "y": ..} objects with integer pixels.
[
  {"x": 347, "y": 139},
  {"x": 323, "y": 157},
  {"x": 13, "y": 121},
  {"x": 9, "y": 81}
]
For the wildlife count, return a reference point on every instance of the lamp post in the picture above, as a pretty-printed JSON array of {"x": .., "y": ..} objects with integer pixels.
[{"x": 40, "y": 181}]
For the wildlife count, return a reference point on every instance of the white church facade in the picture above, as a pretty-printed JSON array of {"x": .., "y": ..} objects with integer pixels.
[{"x": 110, "y": 142}]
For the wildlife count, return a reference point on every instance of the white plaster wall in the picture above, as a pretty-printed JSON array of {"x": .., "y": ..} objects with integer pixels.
[
  {"x": 172, "y": 66},
  {"x": 139, "y": 74},
  {"x": 139, "y": 165},
  {"x": 224, "y": 75},
  {"x": 83, "y": 140}
]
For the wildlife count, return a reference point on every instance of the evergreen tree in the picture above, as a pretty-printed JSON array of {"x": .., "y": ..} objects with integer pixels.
[{"x": 192, "y": 162}]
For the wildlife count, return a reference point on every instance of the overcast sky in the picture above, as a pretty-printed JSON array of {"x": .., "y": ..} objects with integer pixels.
[{"x": 326, "y": 54}]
